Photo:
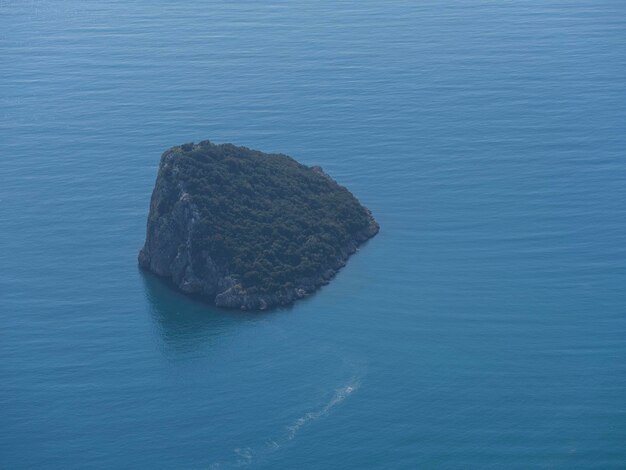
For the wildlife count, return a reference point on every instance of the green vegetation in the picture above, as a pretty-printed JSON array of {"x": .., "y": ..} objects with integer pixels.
[{"x": 266, "y": 217}]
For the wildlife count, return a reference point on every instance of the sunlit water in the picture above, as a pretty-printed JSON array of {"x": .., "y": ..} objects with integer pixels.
[{"x": 483, "y": 328}]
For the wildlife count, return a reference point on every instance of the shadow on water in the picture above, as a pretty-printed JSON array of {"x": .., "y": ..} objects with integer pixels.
[{"x": 187, "y": 324}]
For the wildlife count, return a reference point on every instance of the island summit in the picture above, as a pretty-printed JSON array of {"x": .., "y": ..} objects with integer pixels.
[{"x": 246, "y": 229}]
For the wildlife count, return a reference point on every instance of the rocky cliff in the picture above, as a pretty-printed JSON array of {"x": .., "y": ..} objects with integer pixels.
[{"x": 249, "y": 230}]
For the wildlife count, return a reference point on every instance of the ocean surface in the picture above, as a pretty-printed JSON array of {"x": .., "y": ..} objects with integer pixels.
[{"x": 484, "y": 327}]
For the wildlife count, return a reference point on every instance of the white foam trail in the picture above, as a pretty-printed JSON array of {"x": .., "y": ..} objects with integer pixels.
[
  {"x": 245, "y": 456},
  {"x": 339, "y": 396}
]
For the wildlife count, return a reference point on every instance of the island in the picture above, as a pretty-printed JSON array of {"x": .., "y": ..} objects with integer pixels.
[{"x": 246, "y": 229}]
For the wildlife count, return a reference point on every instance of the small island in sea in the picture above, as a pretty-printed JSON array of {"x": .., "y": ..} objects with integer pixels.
[{"x": 246, "y": 229}]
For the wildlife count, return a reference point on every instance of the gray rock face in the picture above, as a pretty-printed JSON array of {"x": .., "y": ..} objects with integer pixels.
[{"x": 170, "y": 253}]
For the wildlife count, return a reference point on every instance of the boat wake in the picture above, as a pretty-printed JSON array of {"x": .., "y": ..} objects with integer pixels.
[
  {"x": 246, "y": 456},
  {"x": 339, "y": 396}
]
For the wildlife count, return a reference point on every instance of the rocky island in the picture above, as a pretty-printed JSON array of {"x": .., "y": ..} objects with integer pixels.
[{"x": 249, "y": 230}]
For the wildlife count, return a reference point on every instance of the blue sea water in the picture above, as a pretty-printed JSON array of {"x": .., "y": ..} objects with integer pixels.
[{"x": 484, "y": 327}]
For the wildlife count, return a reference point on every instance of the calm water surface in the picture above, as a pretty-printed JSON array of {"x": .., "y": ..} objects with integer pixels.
[{"x": 483, "y": 328}]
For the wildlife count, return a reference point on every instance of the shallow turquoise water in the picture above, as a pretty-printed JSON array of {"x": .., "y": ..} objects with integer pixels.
[{"x": 483, "y": 328}]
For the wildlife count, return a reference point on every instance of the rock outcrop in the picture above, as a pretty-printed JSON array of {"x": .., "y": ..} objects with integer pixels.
[{"x": 249, "y": 230}]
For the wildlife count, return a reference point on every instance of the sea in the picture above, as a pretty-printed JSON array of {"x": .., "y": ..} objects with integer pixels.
[{"x": 483, "y": 328}]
